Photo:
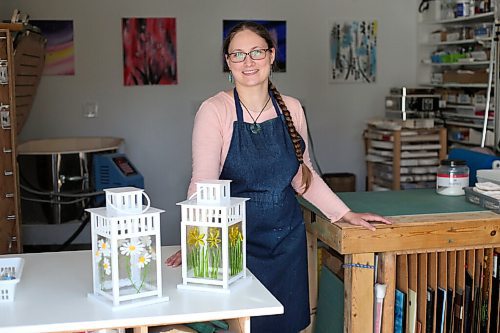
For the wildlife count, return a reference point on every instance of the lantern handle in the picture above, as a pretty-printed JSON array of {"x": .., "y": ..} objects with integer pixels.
[
  {"x": 148, "y": 204},
  {"x": 126, "y": 212}
]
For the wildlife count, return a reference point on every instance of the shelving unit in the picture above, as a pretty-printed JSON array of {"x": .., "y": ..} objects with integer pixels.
[
  {"x": 454, "y": 58},
  {"x": 403, "y": 159},
  {"x": 434, "y": 241},
  {"x": 20, "y": 70},
  {"x": 9, "y": 195},
  {"x": 460, "y": 279}
]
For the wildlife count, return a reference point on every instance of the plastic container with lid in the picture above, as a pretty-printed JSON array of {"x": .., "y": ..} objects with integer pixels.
[{"x": 452, "y": 177}]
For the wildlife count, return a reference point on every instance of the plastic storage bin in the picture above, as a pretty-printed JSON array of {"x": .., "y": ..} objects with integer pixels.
[
  {"x": 482, "y": 200},
  {"x": 10, "y": 267}
]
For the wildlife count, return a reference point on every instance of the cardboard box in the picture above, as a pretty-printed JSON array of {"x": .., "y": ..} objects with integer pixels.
[
  {"x": 437, "y": 78},
  {"x": 475, "y": 136},
  {"x": 437, "y": 36},
  {"x": 465, "y": 76}
]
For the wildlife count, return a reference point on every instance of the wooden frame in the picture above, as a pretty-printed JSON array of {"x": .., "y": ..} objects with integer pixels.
[
  {"x": 9, "y": 183},
  {"x": 412, "y": 235}
]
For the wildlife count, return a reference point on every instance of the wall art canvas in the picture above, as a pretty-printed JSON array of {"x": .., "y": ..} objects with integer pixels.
[
  {"x": 353, "y": 51},
  {"x": 277, "y": 29},
  {"x": 60, "y": 50},
  {"x": 149, "y": 51}
]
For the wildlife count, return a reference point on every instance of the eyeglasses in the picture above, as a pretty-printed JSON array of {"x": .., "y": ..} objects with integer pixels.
[{"x": 239, "y": 56}]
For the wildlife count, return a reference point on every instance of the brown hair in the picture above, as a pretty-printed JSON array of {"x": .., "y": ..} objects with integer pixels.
[
  {"x": 294, "y": 135},
  {"x": 306, "y": 173}
]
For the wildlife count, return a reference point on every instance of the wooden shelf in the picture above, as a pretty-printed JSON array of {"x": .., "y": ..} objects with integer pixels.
[
  {"x": 456, "y": 85},
  {"x": 478, "y": 18},
  {"x": 10, "y": 241},
  {"x": 388, "y": 152},
  {"x": 460, "y": 42},
  {"x": 474, "y": 33},
  {"x": 468, "y": 106},
  {"x": 456, "y": 64},
  {"x": 464, "y": 124}
]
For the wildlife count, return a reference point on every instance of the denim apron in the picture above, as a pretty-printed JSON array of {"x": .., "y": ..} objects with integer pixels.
[{"x": 261, "y": 166}]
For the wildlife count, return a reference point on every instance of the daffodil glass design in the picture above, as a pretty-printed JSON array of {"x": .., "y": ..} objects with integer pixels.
[{"x": 213, "y": 237}]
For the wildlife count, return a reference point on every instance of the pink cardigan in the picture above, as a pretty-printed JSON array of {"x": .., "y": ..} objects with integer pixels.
[{"x": 212, "y": 133}]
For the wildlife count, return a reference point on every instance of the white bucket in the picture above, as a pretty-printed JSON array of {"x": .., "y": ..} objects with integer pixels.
[{"x": 126, "y": 200}]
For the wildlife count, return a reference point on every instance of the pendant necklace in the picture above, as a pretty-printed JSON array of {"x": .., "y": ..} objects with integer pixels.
[{"x": 255, "y": 128}]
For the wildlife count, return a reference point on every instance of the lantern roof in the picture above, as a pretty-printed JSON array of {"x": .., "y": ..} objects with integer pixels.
[
  {"x": 232, "y": 202},
  {"x": 103, "y": 212}
]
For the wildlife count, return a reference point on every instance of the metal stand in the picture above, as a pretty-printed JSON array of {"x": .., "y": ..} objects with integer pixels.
[{"x": 494, "y": 55}]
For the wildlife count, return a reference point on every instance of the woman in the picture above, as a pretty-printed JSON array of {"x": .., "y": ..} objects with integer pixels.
[{"x": 255, "y": 137}]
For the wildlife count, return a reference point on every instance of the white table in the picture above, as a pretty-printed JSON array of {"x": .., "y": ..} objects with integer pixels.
[{"x": 52, "y": 297}]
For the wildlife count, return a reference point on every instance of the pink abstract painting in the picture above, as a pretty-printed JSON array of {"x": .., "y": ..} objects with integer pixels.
[{"x": 149, "y": 51}]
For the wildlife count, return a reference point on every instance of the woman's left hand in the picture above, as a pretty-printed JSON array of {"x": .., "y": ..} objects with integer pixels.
[{"x": 364, "y": 219}]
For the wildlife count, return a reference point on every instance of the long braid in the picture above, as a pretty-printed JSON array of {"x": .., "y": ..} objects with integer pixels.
[{"x": 306, "y": 173}]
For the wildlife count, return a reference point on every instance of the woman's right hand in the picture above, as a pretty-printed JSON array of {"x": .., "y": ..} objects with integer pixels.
[{"x": 174, "y": 260}]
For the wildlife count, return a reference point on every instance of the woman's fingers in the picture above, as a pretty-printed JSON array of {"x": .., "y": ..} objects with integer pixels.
[
  {"x": 364, "y": 219},
  {"x": 375, "y": 218},
  {"x": 174, "y": 260}
]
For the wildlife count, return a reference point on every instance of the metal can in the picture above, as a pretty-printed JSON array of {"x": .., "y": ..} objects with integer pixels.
[
  {"x": 462, "y": 8},
  {"x": 452, "y": 177}
]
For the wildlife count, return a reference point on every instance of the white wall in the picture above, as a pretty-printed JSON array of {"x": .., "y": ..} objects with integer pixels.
[{"x": 156, "y": 121}]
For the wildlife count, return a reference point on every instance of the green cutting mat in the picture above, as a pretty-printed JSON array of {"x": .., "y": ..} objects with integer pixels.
[{"x": 408, "y": 202}]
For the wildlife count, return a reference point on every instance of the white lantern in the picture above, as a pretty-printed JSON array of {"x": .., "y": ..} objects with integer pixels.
[
  {"x": 213, "y": 238},
  {"x": 126, "y": 248}
]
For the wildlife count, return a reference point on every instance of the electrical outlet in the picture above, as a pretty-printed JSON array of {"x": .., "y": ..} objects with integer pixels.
[{"x": 90, "y": 110}]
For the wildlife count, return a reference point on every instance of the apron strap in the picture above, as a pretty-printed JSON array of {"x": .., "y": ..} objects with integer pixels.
[
  {"x": 239, "y": 110},
  {"x": 276, "y": 106}
]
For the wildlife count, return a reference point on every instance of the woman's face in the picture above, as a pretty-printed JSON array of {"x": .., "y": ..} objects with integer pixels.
[{"x": 250, "y": 72}]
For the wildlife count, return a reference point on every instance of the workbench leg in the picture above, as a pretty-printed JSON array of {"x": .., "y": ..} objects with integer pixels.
[
  {"x": 312, "y": 258},
  {"x": 358, "y": 294},
  {"x": 239, "y": 325},
  {"x": 387, "y": 276},
  {"x": 141, "y": 329}
]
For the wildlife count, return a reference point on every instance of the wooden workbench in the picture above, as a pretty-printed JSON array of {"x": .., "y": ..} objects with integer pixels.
[{"x": 426, "y": 228}]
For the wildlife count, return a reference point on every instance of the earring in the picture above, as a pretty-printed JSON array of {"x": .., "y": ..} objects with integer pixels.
[
  {"x": 271, "y": 73},
  {"x": 230, "y": 77}
]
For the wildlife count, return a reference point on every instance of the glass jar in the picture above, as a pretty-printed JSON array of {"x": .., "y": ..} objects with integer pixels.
[{"x": 452, "y": 177}]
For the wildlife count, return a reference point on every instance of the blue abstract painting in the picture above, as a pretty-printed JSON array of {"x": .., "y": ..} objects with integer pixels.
[{"x": 353, "y": 52}]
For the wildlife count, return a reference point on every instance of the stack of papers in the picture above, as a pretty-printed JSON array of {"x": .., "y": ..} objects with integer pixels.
[{"x": 488, "y": 188}]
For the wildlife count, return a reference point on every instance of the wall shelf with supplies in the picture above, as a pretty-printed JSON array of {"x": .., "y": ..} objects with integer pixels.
[
  {"x": 454, "y": 64},
  {"x": 455, "y": 52}
]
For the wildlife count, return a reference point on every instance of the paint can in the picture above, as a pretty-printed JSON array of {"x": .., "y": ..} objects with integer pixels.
[
  {"x": 462, "y": 8},
  {"x": 452, "y": 177}
]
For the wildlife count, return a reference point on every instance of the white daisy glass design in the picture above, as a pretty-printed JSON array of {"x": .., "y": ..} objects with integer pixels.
[
  {"x": 143, "y": 260},
  {"x": 134, "y": 246},
  {"x": 98, "y": 255},
  {"x": 106, "y": 266},
  {"x": 104, "y": 247}
]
